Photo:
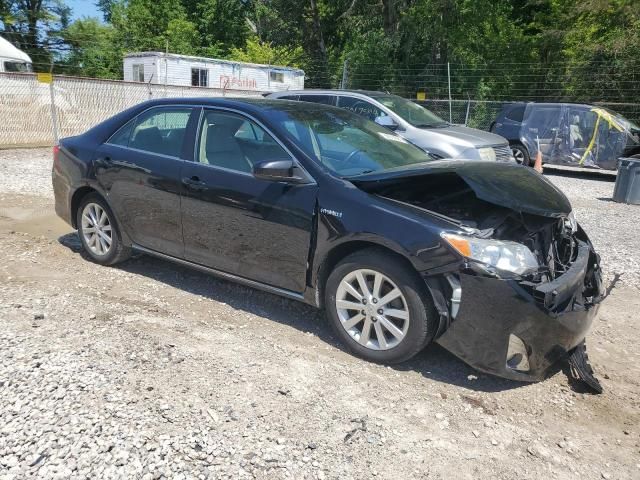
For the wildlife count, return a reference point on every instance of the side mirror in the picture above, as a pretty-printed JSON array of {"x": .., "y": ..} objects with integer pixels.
[
  {"x": 386, "y": 121},
  {"x": 279, "y": 171}
]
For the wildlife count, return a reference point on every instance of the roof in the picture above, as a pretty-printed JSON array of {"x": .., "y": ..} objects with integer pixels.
[
  {"x": 307, "y": 91},
  {"x": 210, "y": 60},
  {"x": 7, "y": 50}
]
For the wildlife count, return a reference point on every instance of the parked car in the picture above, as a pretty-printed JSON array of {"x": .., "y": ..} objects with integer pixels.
[
  {"x": 413, "y": 122},
  {"x": 568, "y": 134},
  {"x": 317, "y": 204}
]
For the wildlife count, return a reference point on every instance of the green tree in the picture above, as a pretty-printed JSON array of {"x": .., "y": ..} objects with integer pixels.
[
  {"x": 34, "y": 27},
  {"x": 256, "y": 51}
]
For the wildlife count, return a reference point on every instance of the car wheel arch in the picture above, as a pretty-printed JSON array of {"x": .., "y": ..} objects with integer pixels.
[
  {"x": 76, "y": 199},
  {"x": 344, "y": 249}
]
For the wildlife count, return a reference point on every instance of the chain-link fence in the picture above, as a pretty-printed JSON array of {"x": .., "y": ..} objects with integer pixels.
[
  {"x": 482, "y": 113},
  {"x": 33, "y": 113}
]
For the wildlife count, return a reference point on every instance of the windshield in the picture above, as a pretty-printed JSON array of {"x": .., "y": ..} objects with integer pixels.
[
  {"x": 413, "y": 113},
  {"x": 345, "y": 143},
  {"x": 626, "y": 124},
  {"x": 22, "y": 67}
]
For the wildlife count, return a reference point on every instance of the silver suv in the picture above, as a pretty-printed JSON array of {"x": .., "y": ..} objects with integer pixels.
[{"x": 413, "y": 122}]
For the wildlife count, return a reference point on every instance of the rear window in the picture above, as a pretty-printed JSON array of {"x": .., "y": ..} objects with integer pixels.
[
  {"x": 323, "y": 99},
  {"x": 516, "y": 113}
]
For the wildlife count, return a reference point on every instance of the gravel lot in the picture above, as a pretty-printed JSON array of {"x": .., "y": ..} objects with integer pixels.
[{"x": 149, "y": 370}]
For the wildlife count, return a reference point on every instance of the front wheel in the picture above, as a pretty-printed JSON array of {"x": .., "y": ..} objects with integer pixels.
[
  {"x": 521, "y": 154},
  {"x": 379, "y": 308}
]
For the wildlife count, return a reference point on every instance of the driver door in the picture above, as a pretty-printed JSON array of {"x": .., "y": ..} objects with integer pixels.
[{"x": 239, "y": 224}]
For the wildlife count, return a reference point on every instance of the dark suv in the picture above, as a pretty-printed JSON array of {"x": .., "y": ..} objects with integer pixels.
[{"x": 567, "y": 134}]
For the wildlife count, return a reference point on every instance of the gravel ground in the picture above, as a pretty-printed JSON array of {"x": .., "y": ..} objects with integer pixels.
[{"x": 150, "y": 370}]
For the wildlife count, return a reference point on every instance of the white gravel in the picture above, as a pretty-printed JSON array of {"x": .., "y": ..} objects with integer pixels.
[{"x": 152, "y": 371}]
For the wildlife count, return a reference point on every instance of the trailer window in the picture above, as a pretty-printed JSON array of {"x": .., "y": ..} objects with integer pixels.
[
  {"x": 199, "y": 77},
  {"x": 21, "y": 67},
  {"x": 276, "y": 77},
  {"x": 138, "y": 72}
]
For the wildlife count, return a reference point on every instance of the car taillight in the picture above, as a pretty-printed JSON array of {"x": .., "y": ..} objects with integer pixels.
[{"x": 56, "y": 156}]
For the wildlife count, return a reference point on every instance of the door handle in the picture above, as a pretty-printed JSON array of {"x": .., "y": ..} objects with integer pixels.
[
  {"x": 104, "y": 162},
  {"x": 194, "y": 183}
]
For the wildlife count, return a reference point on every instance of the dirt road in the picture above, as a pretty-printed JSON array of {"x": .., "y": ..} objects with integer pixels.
[{"x": 149, "y": 370}]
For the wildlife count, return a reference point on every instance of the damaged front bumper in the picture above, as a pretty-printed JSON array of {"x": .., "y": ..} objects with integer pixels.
[{"x": 513, "y": 328}]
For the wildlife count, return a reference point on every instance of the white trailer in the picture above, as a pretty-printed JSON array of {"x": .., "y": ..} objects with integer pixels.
[
  {"x": 184, "y": 70},
  {"x": 12, "y": 59}
]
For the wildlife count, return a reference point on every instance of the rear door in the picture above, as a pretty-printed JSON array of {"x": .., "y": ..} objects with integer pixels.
[
  {"x": 139, "y": 168},
  {"x": 236, "y": 223}
]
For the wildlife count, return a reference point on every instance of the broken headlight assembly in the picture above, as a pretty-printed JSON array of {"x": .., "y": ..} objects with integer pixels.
[{"x": 500, "y": 254}]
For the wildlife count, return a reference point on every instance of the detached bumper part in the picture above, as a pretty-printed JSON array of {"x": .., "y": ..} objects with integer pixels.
[
  {"x": 581, "y": 370},
  {"x": 518, "y": 330}
]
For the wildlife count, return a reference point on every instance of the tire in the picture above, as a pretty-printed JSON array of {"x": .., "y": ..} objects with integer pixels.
[
  {"x": 91, "y": 207},
  {"x": 521, "y": 154},
  {"x": 414, "y": 303}
]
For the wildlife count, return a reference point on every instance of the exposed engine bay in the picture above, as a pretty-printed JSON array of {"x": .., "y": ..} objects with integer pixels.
[{"x": 551, "y": 239}]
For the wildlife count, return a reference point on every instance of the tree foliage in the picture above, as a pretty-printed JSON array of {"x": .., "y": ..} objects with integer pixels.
[{"x": 501, "y": 49}]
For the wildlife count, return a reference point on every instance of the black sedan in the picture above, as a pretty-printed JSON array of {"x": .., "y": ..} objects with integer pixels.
[{"x": 317, "y": 204}]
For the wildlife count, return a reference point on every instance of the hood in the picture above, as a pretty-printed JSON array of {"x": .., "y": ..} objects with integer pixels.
[
  {"x": 511, "y": 186},
  {"x": 463, "y": 136}
]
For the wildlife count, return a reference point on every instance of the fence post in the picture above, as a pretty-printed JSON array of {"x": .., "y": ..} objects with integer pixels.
[
  {"x": 466, "y": 117},
  {"x": 54, "y": 110},
  {"x": 449, "y": 82},
  {"x": 345, "y": 65}
]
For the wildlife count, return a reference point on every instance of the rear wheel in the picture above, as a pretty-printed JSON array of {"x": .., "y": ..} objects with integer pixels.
[
  {"x": 379, "y": 308},
  {"x": 99, "y": 233},
  {"x": 521, "y": 154}
]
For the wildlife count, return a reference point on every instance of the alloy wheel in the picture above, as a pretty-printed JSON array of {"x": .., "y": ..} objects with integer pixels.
[
  {"x": 518, "y": 154},
  {"x": 372, "y": 309},
  {"x": 96, "y": 229}
]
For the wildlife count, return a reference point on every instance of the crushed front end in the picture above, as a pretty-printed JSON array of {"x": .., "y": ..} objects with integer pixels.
[{"x": 519, "y": 326}]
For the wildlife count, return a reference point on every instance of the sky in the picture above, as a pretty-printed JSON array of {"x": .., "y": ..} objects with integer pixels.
[{"x": 83, "y": 8}]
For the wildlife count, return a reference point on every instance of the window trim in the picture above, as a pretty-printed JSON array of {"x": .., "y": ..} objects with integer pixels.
[{"x": 198, "y": 138}]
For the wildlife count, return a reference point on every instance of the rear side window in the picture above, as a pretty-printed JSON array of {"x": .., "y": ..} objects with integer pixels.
[
  {"x": 516, "y": 114},
  {"x": 161, "y": 130},
  {"x": 323, "y": 99},
  {"x": 122, "y": 136},
  {"x": 360, "y": 107}
]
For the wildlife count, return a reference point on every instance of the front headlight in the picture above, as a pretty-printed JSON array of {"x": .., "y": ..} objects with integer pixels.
[
  {"x": 488, "y": 154},
  {"x": 501, "y": 254}
]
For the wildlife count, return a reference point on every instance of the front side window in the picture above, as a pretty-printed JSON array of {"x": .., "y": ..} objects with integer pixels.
[
  {"x": 230, "y": 141},
  {"x": 161, "y": 130},
  {"x": 199, "y": 77},
  {"x": 345, "y": 143},
  {"x": 411, "y": 112},
  {"x": 360, "y": 107},
  {"x": 138, "y": 72}
]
